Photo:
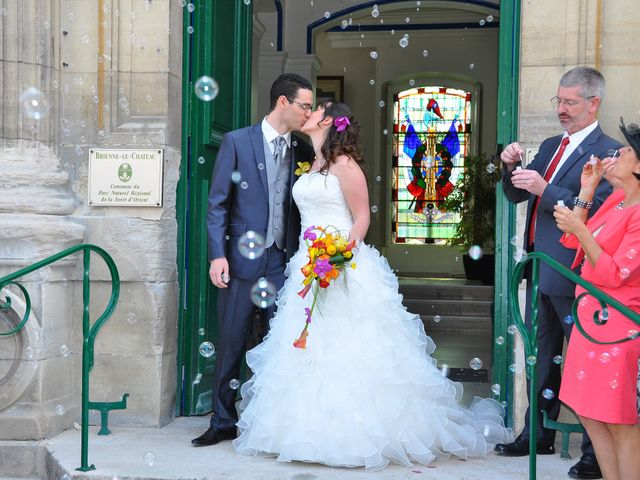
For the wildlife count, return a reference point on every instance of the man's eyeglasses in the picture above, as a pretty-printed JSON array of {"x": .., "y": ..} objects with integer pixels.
[
  {"x": 304, "y": 106},
  {"x": 569, "y": 103}
]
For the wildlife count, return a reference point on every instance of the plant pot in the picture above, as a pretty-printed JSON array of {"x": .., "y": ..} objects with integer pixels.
[{"x": 482, "y": 269}]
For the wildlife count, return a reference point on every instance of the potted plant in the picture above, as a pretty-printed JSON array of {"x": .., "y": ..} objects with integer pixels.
[{"x": 474, "y": 199}]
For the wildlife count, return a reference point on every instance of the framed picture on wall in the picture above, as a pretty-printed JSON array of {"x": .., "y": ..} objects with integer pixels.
[{"x": 329, "y": 88}]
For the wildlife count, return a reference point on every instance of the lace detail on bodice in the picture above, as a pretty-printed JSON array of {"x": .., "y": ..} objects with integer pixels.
[{"x": 321, "y": 202}]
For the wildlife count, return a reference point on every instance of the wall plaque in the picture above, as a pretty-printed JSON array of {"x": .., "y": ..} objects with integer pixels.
[{"x": 125, "y": 178}]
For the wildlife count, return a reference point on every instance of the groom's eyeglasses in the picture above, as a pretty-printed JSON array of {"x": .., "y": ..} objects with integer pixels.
[{"x": 304, "y": 106}]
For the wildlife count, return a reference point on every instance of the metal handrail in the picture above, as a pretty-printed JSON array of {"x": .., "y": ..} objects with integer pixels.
[
  {"x": 530, "y": 335},
  {"x": 89, "y": 332}
]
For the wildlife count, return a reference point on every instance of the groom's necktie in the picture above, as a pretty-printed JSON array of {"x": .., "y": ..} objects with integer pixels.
[{"x": 278, "y": 152}]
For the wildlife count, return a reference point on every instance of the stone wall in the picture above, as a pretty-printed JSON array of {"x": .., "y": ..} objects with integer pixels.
[{"x": 121, "y": 92}]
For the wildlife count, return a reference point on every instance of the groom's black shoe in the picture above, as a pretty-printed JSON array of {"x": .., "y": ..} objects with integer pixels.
[
  {"x": 214, "y": 436},
  {"x": 520, "y": 448},
  {"x": 587, "y": 467}
]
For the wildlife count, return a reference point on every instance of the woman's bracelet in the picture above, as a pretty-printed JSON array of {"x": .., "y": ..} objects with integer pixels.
[{"x": 582, "y": 204}]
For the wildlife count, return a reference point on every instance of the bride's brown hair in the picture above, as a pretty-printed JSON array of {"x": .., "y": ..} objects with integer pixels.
[{"x": 344, "y": 142}]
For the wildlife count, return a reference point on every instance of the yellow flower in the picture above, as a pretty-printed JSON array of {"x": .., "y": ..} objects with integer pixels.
[
  {"x": 353, "y": 265},
  {"x": 348, "y": 254},
  {"x": 331, "y": 249},
  {"x": 303, "y": 167}
]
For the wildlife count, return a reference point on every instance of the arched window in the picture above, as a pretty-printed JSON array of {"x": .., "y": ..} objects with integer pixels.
[{"x": 431, "y": 133}]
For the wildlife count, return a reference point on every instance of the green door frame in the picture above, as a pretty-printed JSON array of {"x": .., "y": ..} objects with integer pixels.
[
  {"x": 216, "y": 42},
  {"x": 508, "y": 87}
]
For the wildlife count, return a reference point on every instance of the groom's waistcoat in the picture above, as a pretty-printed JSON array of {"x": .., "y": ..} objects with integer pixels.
[{"x": 278, "y": 179}]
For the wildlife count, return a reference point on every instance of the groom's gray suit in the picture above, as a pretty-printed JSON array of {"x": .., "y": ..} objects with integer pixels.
[{"x": 261, "y": 201}]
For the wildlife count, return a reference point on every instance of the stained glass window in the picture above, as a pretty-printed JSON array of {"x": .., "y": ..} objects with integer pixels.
[{"x": 431, "y": 131}]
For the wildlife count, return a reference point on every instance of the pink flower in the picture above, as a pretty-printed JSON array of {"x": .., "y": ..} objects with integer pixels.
[
  {"x": 341, "y": 123},
  {"x": 322, "y": 267},
  {"x": 307, "y": 312},
  {"x": 309, "y": 235}
]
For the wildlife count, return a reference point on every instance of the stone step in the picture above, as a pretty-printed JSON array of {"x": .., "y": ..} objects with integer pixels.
[
  {"x": 469, "y": 308},
  {"x": 458, "y": 323}
]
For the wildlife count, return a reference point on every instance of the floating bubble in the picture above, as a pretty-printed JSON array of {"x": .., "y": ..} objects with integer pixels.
[
  {"x": 615, "y": 351},
  {"x": 251, "y": 245},
  {"x": 247, "y": 2},
  {"x": 489, "y": 18},
  {"x": 374, "y": 209},
  {"x": 149, "y": 458},
  {"x": 29, "y": 353},
  {"x": 407, "y": 20},
  {"x": 263, "y": 293},
  {"x": 190, "y": 7},
  {"x": 604, "y": 357},
  {"x": 234, "y": 383},
  {"x": 244, "y": 185},
  {"x": 206, "y": 349},
  {"x": 393, "y": 32},
  {"x": 581, "y": 375},
  {"x": 511, "y": 329},
  {"x": 444, "y": 370},
  {"x": 372, "y": 82},
  {"x": 385, "y": 131},
  {"x": 236, "y": 176},
  {"x": 261, "y": 166},
  {"x": 34, "y": 103},
  {"x": 475, "y": 363},
  {"x": 123, "y": 102},
  {"x": 206, "y": 88},
  {"x": 568, "y": 319},
  {"x": 149, "y": 98},
  {"x": 500, "y": 340},
  {"x": 64, "y": 350},
  {"x": 557, "y": 359},
  {"x": 412, "y": 82},
  {"x": 548, "y": 394},
  {"x": 519, "y": 255},
  {"x": 631, "y": 253},
  {"x": 60, "y": 410},
  {"x": 475, "y": 252},
  {"x": 591, "y": 355},
  {"x": 531, "y": 360},
  {"x": 373, "y": 54},
  {"x": 378, "y": 178},
  {"x": 190, "y": 30},
  {"x": 201, "y": 331},
  {"x": 425, "y": 53},
  {"x": 514, "y": 240},
  {"x": 482, "y": 22},
  {"x": 490, "y": 168},
  {"x": 375, "y": 12},
  {"x": 495, "y": 388},
  {"x": 513, "y": 368},
  {"x": 633, "y": 333},
  {"x": 131, "y": 317},
  {"x": 613, "y": 383},
  {"x": 624, "y": 273},
  {"x": 472, "y": 66},
  {"x": 65, "y": 477},
  {"x": 403, "y": 42},
  {"x": 201, "y": 160},
  {"x": 604, "y": 314},
  {"x": 381, "y": 103},
  {"x": 344, "y": 24},
  {"x": 437, "y": 318},
  {"x": 327, "y": 14}
]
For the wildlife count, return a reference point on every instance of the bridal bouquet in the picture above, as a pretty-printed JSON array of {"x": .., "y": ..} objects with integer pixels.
[{"x": 329, "y": 251}]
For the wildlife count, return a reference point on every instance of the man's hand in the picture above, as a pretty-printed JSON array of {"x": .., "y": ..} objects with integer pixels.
[
  {"x": 529, "y": 180},
  {"x": 219, "y": 272},
  {"x": 512, "y": 154}
]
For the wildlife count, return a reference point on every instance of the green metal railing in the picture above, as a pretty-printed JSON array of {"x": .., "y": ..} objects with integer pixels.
[
  {"x": 89, "y": 332},
  {"x": 529, "y": 335}
]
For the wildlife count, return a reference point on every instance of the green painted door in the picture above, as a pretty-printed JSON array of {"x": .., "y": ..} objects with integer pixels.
[{"x": 217, "y": 43}]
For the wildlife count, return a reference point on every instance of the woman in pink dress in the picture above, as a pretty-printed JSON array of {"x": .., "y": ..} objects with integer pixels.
[{"x": 599, "y": 381}]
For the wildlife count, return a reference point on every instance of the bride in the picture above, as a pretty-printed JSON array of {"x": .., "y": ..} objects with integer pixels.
[{"x": 365, "y": 391}]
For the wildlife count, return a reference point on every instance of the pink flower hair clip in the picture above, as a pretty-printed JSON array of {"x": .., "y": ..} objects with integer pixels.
[{"x": 341, "y": 123}]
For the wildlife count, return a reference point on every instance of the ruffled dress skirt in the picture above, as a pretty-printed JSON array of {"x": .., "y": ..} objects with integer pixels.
[{"x": 365, "y": 391}]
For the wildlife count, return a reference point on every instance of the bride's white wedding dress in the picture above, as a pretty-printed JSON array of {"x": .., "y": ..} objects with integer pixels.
[{"x": 365, "y": 391}]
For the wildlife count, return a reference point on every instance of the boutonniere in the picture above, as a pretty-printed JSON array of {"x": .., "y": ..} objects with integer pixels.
[{"x": 303, "y": 167}]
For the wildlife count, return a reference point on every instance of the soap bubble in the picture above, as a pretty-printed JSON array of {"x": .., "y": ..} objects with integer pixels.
[
  {"x": 407, "y": 20},
  {"x": 149, "y": 459},
  {"x": 581, "y": 375},
  {"x": 234, "y": 383},
  {"x": 60, "y": 410},
  {"x": 615, "y": 351},
  {"x": 263, "y": 293},
  {"x": 557, "y": 359},
  {"x": 475, "y": 252},
  {"x": 373, "y": 54},
  {"x": 251, "y": 245},
  {"x": 531, "y": 360},
  {"x": 511, "y": 329},
  {"x": 201, "y": 160},
  {"x": 131, "y": 317},
  {"x": 201, "y": 331},
  {"x": 633, "y": 333},
  {"x": 374, "y": 209},
  {"x": 437, "y": 318},
  {"x": 604, "y": 357},
  {"x": 34, "y": 103},
  {"x": 519, "y": 255},
  {"x": 372, "y": 82},
  {"x": 412, "y": 82},
  {"x": 236, "y": 176},
  {"x": 425, "y": 53},
  {"x": 404, "y": 42},
  {"x": 513, "y": 368},
  {"x": 206, "y": 88},
  {"x": 548, "y": 394},
  {"x": 64, "y": 350},
  {"x": 475, "y": 363},
  {"x": 190, "y": 29},
  {"x": 381, "y": 103},
  {"x": 378, "y": 178},
  {"x": 327, "y": 14},
  {"x": 247, "y": 2},
  {"x": 191, "y": 7},
  {"x": 568, "y": 319},
  {"x": 495, "y": 388},
  {"x": 613, "y": 383},
  {"x": 244, "y": 185},
  {"x": 375, "y": 12},
  {"x": 206, "y": 349},
  {"x": 514, "y": 240},
  {"x": 482, "y": 22},
  {"x": 631, "y": 253},
  {"x": 472, "y": 66},
  {"x": 490, "y": 168},
  {"x": 344, "y": 24},
  {"x": 444, "y": 369},
  {"x": 500, "y": 340},
  {"x": 385, "y": 131},
  {"x": 624, "y": 273},
  {"x": 604, "y": 314},
  {"x": 489, "y": 18},
  {"x": 591, "y": 355}
]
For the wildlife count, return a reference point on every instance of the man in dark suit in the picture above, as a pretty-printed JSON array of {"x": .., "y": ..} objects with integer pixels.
[
  {"x": 251, "y": 191},
  {"x": 553, "y": 176}
]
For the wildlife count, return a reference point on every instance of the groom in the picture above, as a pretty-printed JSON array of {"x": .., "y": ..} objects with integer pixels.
[{"x": 251, "y": 191}]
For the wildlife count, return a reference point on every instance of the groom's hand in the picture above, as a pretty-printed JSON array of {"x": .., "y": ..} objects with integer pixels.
[{"x": 219, "y": 272}]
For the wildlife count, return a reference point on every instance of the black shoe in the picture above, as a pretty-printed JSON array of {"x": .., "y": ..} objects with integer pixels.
[
  {"x": 213, "y": 436},
  {"x": 520, "y": 448},
  {"x": 587, "y": 467}
]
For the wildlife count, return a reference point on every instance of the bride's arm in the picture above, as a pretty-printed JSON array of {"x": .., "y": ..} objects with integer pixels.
[{"x": 354, "y": 189}]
